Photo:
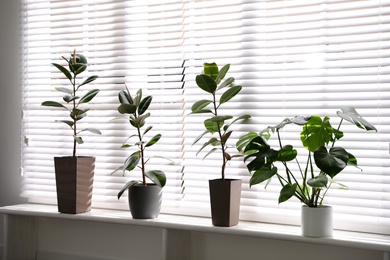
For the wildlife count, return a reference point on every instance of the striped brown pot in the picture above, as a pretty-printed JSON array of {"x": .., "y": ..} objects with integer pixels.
[
  {"x": 225, "y": 197},
  {"x": 74, "y": 182}
]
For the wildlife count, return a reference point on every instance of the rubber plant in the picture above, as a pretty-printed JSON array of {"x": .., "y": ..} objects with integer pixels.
[
  {"x": 136, "y": 108},
  {"x": 311, "y": 182},
  {"x": 217, "y": 125},
  {"x": 71, "y": 101}
]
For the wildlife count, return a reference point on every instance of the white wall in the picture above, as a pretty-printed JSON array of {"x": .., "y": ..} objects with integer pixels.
[{"x": 114, "y": 240}]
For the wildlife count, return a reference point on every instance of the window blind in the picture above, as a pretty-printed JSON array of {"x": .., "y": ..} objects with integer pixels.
[{"x": 291, "y": 57}]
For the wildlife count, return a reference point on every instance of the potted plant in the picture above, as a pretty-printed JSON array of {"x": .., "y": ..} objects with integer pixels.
[
  {"x": 144, "y": 198},
  {"x": 311, "y": 182},
  {"x": 74, "y": 174},
  {"x": 225, "y": 194}
]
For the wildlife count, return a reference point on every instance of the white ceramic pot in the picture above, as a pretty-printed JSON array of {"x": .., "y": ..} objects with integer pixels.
[{"x": 317, "y": 222}]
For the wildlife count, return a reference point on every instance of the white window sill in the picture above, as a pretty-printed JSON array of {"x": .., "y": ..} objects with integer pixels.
[{"x": 186, "y": 223}]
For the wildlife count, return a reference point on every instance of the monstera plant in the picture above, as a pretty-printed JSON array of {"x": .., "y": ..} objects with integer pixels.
[
  {"x": 74, "y": 197},
  {"x": 218, "y": 128},
  {"x": 311, "y": 181}
]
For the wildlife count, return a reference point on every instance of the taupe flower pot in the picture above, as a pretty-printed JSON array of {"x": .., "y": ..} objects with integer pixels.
[
  {"x": 74, "y": 182},
  {"x": 317, "y": 222},
  {"x": 225, "y": 198},
  {"x": 145, "y": 201}
]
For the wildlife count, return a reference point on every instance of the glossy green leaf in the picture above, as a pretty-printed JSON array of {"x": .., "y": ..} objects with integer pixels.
[
  {"x": 156, "y": 176},
  {"x": 131, "y": 162},
  {"x": 213, "y": 141},
  {"x": 200, "y": 137},
  {"x": 65, "y": 90},
  {"x": 69, "y": 99},
  {"x": 320, "y": 181},
  {"x": 226, "y": 82},
  {"x": 78, "y": 68},
  {"x": 262, "y": 174},
  {"x": 144, "y": 105},
  {"x": 125, "y": 98},
  {"x": 63, "y": 70},
  {"x": 351, "y": 115},
  {"x": 206, "y": 83},
  {"x": 89, "y": 96},
  {"x": 125, "y": 187},
  {"x": 243, "y": 117},
  {"x": 80, "y": 58},
  {"x": 126, "y": 108},
  {"x": 331, "y": 162},
  {"x": 198, "y": 107},
  {"x": 211, "y": 70},
  {"x": 147, "y": 130},
  {"x": 138, "y": 97},
  {"x": 88, "y": 80},
  {"x": 222, "y": 73},
  {"x": 153, "y": 140},
  {"x": 92, "y": 130},
  {"x": 68, "y": 122},
  {"x": 210, "y": 152},
  {"x": 229, "y": 94},
  {"x": 287, "y": 192},
  {"x": 79, "y": 140},
  {"x": 53, "y": 104}
]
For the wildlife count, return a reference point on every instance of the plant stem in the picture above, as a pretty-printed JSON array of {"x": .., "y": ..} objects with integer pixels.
[
  {"x": 74, "y": 116},
  {"x": 224, "y": 161},
  {"x": 142, "y": 156}
]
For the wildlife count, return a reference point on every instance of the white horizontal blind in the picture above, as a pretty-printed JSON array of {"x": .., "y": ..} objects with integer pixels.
[
  {"x": 130, "y": 42},
  {"x": 291, "y": 57},
  {"x": 296, "y": 58}
]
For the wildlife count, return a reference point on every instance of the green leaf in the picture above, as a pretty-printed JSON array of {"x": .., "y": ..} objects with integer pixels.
[
  {"x": 79, "y": 140},
  {"x": 244, "y": 140},
  {"x": 63, "y": 70},
  {"x": 131, "y": 162},
  {"x": 68, "y": 122},
  {"x": 213, "y": 141},
  {"x": 351, "y": 115},
  {"x": 53, "y": 104},
  {"x": 65, "y": 90},
  {"x": 229, "y": 94},
  {"x": 125, "y": 187},
  {"x": 147, "y": 130},
  {"x": 153, "y": 140},
  {"x": 206, "y": 83},
  {"x": 211, "y": 70},
  {"x": 144, "y": 105},
  {"x": 156, "y": 176},
  {"x": 69, "y": 99},
  {"x": 210, "y": 152},
  {"x": 92, "y": 130},
  {"x": 200, "y": 137},
  {"x": 226, "y": 82},
  {"x": 262, "y": 174},
  {"x": 88, "y": 80},
  {"x": 127, "y": 108},
  {"x": 333, "y": 162},
  {"x": 316, "y": 132},
  {"x": 80, "y": 58},
  {"x": 138, "y": 98},
  {"x": 320, "y": 181},
  {"x": 89, "y": 96},
  {"x": 287, "y": 153},
  {"x": 222, "y": 73},
  {"x": 124, "y": 98},
  {"x": 287, "y": 192},
  {"x": 198, "y": 107},
  {"x": 243, "y": 117},
  {"x": 78, "y": 68}
]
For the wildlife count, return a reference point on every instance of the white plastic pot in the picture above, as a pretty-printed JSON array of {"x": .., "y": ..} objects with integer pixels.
[{"x": 317, "y": 222}]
